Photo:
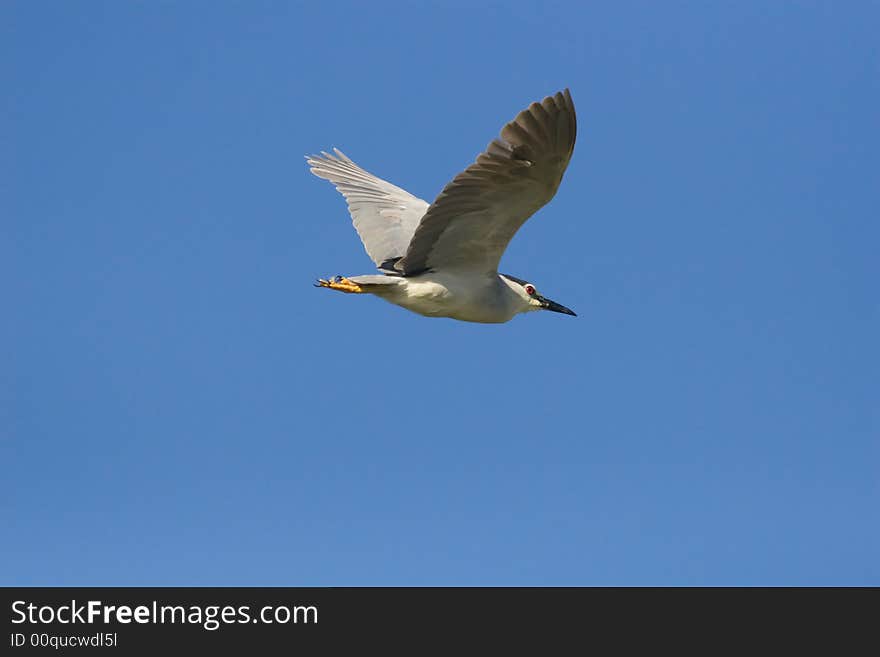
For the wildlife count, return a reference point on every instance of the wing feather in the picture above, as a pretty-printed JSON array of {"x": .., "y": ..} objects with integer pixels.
[
  {"x": 473, "y": 219},
  {"x": 384, "y": 215}
]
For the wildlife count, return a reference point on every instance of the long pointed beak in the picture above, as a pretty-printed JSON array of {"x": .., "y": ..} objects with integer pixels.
[{"x": 547, "y": 304}]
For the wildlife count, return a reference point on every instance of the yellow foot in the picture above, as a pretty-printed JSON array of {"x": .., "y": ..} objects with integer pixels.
[{"x": 340, "y": 283}]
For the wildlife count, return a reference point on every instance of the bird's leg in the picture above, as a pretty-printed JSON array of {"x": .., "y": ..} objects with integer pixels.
[{"x": 340, "y": 283}]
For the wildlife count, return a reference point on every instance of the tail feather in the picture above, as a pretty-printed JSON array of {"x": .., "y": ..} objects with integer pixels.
[{"x": 375, "y": 279}]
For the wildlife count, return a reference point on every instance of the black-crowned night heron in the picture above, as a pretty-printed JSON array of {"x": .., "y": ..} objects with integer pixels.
[{"x": 441, "y": 260}]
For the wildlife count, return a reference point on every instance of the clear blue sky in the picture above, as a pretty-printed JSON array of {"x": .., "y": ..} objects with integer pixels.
[{"x": 180, "y": 406}]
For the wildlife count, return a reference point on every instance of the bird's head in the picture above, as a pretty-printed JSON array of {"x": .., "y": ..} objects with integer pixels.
[{"x": 531, "y": 299}]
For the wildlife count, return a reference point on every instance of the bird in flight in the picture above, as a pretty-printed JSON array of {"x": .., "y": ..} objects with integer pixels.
[{"x": 441, "y": 260}]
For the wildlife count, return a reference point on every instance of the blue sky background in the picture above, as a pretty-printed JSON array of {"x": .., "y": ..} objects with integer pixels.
[{"x": 181, "y": 407}]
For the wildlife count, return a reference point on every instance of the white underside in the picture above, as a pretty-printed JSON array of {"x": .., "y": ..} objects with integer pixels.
[{"x": 466, "y": 296}]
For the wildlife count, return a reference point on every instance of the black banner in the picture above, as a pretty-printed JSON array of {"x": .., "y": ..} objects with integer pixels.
[{"x": 134, "y": 620}]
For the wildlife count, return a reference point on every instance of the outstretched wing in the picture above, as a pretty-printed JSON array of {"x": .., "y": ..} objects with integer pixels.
[
  {"x": 384, "y": 215},
  {"x": 476, "y": 215}
]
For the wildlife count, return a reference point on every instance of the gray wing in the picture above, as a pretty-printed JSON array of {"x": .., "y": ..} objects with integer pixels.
[
  {"x": 384, "y": 215},
  {"x": 476, "y": 215}
]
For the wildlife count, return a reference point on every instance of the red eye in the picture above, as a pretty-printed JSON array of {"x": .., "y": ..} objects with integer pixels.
[{"x": 530, "y": 290}]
